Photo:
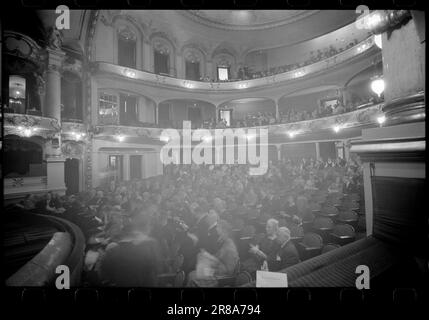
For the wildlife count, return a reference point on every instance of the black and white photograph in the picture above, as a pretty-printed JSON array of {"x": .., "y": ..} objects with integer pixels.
[{"x": 214, "y": 148}]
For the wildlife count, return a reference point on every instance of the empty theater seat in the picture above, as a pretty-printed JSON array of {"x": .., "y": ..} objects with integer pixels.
[
  {"x": 310, "y": 246},
  {"x": 343, "y": 234},
  {"x": 329, "y": 211},
  {"x": 307, "y": 221},
  {"x": 348, "y": 217},
  {"x": 323, "y": 226}
]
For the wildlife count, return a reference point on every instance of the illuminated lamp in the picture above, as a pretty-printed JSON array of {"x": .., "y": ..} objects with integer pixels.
[
  {"x": 381, "y": 119},
  {"x": 377, "y": 86}
]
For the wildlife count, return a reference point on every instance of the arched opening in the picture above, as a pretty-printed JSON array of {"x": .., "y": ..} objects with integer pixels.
[
  {"x": 247, "y": 112},
  {"x": 125, "y": 108},
  {"x": 163, "y": 55},
  {"x": 127, "y": 44},
  {"x": 358, "y": 91},
  {"x": 23, "y": 158},
  {"x": 172, "y": 113},
  {"x": 194, "y": 61},
  {"x": 71, "y": 97},
  {"x": 71, "y": 175}
]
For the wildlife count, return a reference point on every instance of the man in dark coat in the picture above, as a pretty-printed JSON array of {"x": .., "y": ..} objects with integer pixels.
[{"x": 287, "y": 254}]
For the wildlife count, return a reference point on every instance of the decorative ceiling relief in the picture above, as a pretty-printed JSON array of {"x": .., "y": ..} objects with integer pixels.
[
  {"x": 193, "y": 55},
  {"x": 246, "y": 19},
  {"x": 161, "y": 46},
  {"x": 127, "y": 33}
]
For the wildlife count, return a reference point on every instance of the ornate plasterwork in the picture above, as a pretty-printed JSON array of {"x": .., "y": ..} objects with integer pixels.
[
  {"x": 55, "y": 38},
  {"x": 15, "y": 124},
  {"x": 23, "y": 47},
  {"x": 72, "y": 149},
  {"x": 253, "y": 20},
  {"x": 346, "y": 120},
  {"x": 72, "y": 65}
]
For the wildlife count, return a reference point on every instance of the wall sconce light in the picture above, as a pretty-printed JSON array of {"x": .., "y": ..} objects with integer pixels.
[
  {"x": 381, "y": 119},
  {"x": 292, "y": 134},
  {"x": 120, "y": 137},
  {"x": 336, "y": 128},
  {"x": 377, "y": 86}
]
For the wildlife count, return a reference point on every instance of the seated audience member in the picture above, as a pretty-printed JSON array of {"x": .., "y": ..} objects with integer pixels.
[
  {"x": 264, "y": 248},
  {"x": 133, "y": 261},
  {"x": 286, "y": 255},
  {"x": 223, "y": 263},
  {"x": 29, "y": 202}
]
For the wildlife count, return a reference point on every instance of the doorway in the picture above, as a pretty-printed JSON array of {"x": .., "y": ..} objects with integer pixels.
[
  {"x": 128, "y": 110},
  {"x": 116, "y": 167},
  {"x": 71, "y": 176},
  {"x": 226, "y": 115},
  {"x": 194, "y": 115},
  {"x": 136, "y": 167}
]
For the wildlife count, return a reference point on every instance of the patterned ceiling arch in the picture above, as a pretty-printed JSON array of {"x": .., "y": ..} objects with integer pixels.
[{"x": 224, "y": 48}]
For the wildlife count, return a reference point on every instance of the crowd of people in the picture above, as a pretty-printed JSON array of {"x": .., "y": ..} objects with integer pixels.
[
  {"x": 292, "y": 114},
  {"x": 245, "y": 72},
  {"x": 139, "y": 230}
]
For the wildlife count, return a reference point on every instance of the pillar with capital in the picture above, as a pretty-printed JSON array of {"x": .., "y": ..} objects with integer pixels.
[{"x": 52, "y": 109}]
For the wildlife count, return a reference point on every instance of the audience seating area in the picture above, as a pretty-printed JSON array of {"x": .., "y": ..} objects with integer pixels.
[{"x": 166, "y": 211}]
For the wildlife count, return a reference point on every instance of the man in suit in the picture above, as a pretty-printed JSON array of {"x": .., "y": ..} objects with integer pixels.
[{"x": 287, "y": 254}]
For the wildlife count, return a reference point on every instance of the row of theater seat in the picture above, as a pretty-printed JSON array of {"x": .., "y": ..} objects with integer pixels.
[{"x": 329, "y": 221}]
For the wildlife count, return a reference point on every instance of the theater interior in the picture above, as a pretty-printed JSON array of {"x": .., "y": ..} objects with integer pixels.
[{"x": 89, "y": 97}]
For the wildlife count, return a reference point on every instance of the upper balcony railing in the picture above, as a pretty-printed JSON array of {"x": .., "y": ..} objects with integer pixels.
[{"x": 168, "y": 81}]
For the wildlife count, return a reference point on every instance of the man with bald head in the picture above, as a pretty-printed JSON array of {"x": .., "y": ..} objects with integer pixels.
[{"x": 286, "y": 255}]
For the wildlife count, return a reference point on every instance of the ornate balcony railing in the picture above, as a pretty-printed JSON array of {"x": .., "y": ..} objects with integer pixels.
[
  {"x": 74, "y": 131},
  {"x": 26, "y": 125},
  {"x": 360, "y": 48},
  {"x": 357, "y": 118},
  {"x": 19, "y": 186}
]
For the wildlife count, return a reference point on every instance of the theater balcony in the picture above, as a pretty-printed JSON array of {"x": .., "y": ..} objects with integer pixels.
[
  {"x": 28, "y": 141},
  {"x": 337, "y": 126},
  {"x": 363, "y": 49}
]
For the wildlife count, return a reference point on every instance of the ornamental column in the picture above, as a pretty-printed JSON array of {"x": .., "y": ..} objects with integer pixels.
[
  {"x": 147, "y": 52},
  {"x": 393, "y": 155},
  {"x": 52, "y": 109},
  {"x": 52, "y": 105},
  {"x": 179, "y": 67}
]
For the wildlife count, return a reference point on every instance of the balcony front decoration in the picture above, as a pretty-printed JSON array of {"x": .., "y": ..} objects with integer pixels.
[{"x": 28, "y": 125}]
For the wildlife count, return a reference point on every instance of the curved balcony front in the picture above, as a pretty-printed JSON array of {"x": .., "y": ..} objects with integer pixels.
[
  {"x": 354, "y": 119},
  {"x": 277, "y": 79},
  {"x": 26, "y": 125}
]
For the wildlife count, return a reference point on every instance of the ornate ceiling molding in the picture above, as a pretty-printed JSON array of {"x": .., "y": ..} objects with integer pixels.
[{"x": 200, "y": 17}]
